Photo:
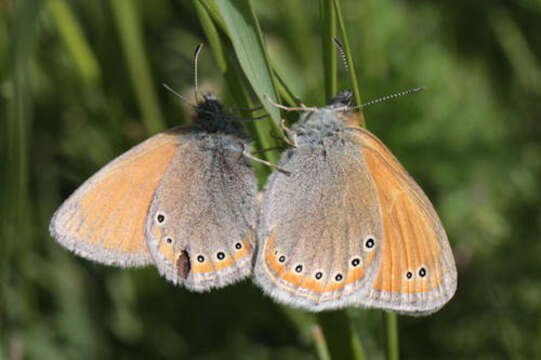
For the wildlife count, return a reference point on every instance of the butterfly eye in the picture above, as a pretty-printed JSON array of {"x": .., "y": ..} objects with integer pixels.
[
  {"x": 409, "y": 275},
  {"x": 169, "y": 240},
  {"x": 200, "y": 258},
  {"x": 238, "y": 246},
  {"x": 220, "y": 255},
  {"x": 160, "y": 218},
  {"x": 422, "y": 272},
  {"x": 298, "y": 268},
  {"x": 338, "y": 277},
  {"x": 319, "y": 275},
  {"x": 282, "y": 259}
]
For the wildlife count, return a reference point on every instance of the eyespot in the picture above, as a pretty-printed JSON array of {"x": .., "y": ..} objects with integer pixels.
[
  {"x": 169, "y": 240},
  {"x": 238, "y": 246},
  {"x": 282, "y": 259},
  {"x": 355, "y": 262},
  {"x": 298, "y": 268},
  {"x": 319, "y": 275},
  {"x": 200, "y": 258},
  {"x": 160, "y": 218},
  {"x": 422, "y": 272},
  {"x": 369, "y": 243},
  {"x": 338, "y": 277},
  {"x": 409, "y": 275},
  {"x": 220, "y": 255}
]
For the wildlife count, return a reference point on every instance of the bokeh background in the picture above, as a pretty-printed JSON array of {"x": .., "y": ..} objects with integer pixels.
[{"x": 80, "y": 84}]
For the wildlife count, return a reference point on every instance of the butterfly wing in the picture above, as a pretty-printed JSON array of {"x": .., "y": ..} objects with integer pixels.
[
  {"x": 320, "y": 231},
  {"x": 417, "y": 274},
  {"x": 103, "y": 220},
  {"x": 200, "y": 228}
]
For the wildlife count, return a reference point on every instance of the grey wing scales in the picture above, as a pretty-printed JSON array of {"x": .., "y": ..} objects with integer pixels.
[
  {"x": 200, "y": 228},
  {"x": 314, "y": 227}
]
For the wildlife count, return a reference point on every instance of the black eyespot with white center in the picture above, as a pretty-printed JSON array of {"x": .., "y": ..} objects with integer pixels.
[
  {"x": 369, "y": 243},
  {"x": 355, "y": 262},
  {"x": 319, "y": 275},
  {"x": 282, "y": 259},
  {"x": 169, "y": 240},
  {"x": 298, "y": 268},
  {"x": 409, "y": 275},
  {"x": 422, "y": 272},
  {"x": 160, "y": 218},
  {"x": 200, "y": 258},
  {"x": 338, "y": 277},
  {"x": 220, "y": 255}
]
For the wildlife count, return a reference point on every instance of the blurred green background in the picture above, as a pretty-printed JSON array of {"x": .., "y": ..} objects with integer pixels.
[{"x": 80, "y": 84}]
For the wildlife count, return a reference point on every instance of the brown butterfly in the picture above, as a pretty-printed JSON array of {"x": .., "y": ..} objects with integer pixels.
[{"x": 347, "y": 225}]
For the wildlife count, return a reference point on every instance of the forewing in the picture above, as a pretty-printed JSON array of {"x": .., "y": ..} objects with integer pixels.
[
  {"x": 103, "y": 220},
  {"x": 417, "y": 274},
  {"x": 314, "y": 229},
  {"x": 200, "y": 228}
]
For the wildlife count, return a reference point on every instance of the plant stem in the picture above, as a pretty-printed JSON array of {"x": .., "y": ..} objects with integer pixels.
[
  {"x": 392, "y": 335},
  {"x": 327, "y": 16},
  {"x": 354, "y": 84}
]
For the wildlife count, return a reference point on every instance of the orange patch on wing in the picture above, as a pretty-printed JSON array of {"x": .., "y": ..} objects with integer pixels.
[
  {"x": 409, "y": 239},
  {"x": 210, "y": 267},
  {"x": 113, "y": 211}
]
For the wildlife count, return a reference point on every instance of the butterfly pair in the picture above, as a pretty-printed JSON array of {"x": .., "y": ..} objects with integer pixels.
[{"x": 342, "y": 224}]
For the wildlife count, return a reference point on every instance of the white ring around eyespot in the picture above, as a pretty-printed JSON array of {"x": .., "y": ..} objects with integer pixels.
[
  {"x": 350, "y": 263},
  {"x": 164, "y": 219},
  {"x": 366, "y": 248}
]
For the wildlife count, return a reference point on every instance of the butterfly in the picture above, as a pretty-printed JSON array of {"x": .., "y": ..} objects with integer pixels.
[
  {"x": 183, "y": 200},
  {"x": 346, "y": 225}
]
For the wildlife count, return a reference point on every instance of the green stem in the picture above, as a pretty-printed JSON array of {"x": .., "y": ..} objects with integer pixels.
[
  {"x": 392, "y": 335},
  {"x": 129, "y": 28},
  {"x": 355, "y": 85},
  {"x": 73, "y": 36},
  {"x": 327, "y": 16},
  {"x": 342, "y": 340},
  {"x": 321, "y": 344}
]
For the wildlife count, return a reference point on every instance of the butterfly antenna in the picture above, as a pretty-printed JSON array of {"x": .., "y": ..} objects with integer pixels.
[
  {"x": 177, "y": 94},
  {"x": 342, "y": 53},
  {"x": 195, "y": 56},
  {"x": 389, "y": 97}
]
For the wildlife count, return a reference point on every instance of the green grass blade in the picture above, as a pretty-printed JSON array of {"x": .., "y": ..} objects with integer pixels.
[
  {"x": 73, "y": 36},
  {"x": 243, "y": 29},
  {"x": 233, "y": 82},
  {"x": 342, "y": 341},
  {"x": 321, "y": 345},
  {"x": 129, "y": 28},
  {"x": 327, "y": 15},
  {"x": 349, "y": 59},
  {"x": 392, "y": 336}
]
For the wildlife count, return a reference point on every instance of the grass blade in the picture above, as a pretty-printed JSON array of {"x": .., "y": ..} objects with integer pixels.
[
  {"x": 392, "y": 336},
  {"x": 129, "y": 28},
  {"x": 341, "y": 339},
  {"x": 354, "y": 84},
  {"x": 75, "y": 41},
  {"x": 243, "y": 29},
  {"x": 327, "y": 17},
  {"x": 234, "y": 83}
]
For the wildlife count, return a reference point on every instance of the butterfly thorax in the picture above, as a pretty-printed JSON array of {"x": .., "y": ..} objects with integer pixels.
[
  {"x": 326, "y": 125},
  {"x": 211, "y": 119}
]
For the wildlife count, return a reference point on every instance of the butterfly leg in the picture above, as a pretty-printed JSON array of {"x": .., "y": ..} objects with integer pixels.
[
  {"x": 302, "y": 108},
  {"x": 247, "y": 154},
  {"x": 288, "y": 132}
]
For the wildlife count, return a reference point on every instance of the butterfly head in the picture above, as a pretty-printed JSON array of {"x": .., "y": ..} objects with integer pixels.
[
  {"x": 342, "y": 100},
  {"x": 212, "y": 118}
]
